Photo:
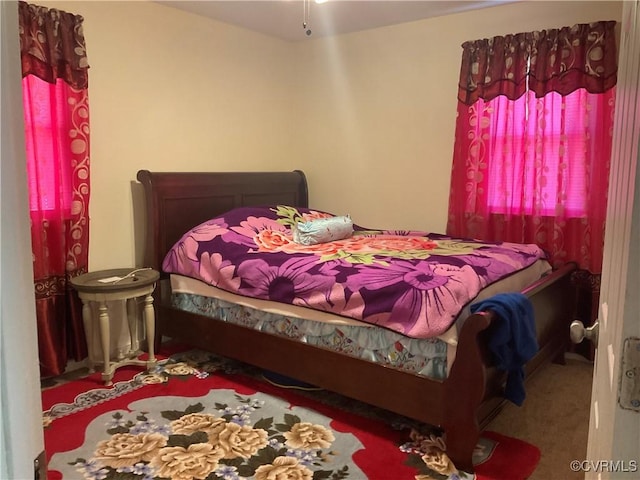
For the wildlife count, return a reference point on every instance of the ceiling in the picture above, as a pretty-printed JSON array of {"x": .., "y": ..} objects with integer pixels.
[{"x": 285, "y": 18}]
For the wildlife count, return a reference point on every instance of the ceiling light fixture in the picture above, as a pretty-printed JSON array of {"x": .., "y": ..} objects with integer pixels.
[{"x": 306, "y": 13}]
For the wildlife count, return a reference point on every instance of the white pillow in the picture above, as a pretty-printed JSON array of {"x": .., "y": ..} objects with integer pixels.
[{"x": 323, "y": 230}]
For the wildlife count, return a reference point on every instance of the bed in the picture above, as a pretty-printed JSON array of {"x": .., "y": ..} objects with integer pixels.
[{"x": 461, "y": 402}]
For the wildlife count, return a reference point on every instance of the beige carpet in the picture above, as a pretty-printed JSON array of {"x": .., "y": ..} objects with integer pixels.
[{"x": 554, "y": 417}]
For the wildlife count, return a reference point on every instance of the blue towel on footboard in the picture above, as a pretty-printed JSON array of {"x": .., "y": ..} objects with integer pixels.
[{"x": 513, "y": 339}]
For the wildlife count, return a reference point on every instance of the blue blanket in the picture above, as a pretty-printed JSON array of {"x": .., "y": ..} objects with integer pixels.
[{"x": 513, "y": 339}]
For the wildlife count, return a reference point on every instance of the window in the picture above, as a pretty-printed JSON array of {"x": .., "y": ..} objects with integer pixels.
[
  {"x": 533, "y": 140},
  {"x": 539, "y": 162},
  {"x": 47, "y": 145}
]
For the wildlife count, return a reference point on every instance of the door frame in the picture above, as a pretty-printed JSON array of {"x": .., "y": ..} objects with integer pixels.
[{"x": 614, "y": 432}]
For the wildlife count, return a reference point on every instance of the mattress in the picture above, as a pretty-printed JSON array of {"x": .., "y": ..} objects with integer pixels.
[{"x": 429, "y": 357}]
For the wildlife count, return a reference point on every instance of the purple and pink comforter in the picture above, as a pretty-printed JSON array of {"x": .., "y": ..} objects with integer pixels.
[{"x": 414, "y": 283}]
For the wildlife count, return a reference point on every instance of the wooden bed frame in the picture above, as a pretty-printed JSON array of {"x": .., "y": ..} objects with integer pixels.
[{"x": 462, "y": 405}]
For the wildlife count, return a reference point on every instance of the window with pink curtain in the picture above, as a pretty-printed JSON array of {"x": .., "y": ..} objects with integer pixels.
[
  {"x": 533, "y": 141},
  {"x": 543, "y": 159},
  {"x": 48, "y": 158},
  {"x": 56, "y": 144},
  {"x": 56, "y": 115}
]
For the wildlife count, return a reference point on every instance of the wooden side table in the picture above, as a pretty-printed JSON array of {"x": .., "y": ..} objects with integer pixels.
[{"x": 125, "y": 284}]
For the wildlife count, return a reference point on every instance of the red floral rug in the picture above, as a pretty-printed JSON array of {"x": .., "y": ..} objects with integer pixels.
[{"x": 197, "y": 416}]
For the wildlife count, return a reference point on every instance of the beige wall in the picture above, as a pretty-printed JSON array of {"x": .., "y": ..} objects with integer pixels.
[
  {"x": 381, "y": 105},
  {"x": 171, "y": 91},
  {"x": 21, "y": 436},
  {"x": 369, "y": 116}
]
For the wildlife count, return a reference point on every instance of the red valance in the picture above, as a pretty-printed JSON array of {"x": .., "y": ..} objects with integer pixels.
[
  {"x": 583, "y": 56},
  {"x": 556, "y": 60},
  {"x": 52, "y": 45}
]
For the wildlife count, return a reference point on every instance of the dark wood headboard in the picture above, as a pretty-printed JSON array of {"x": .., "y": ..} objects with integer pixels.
[{"x": 178, "y": 201}]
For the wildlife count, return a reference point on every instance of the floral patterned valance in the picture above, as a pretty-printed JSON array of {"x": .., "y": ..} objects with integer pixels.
[
  {"x": 494, "y": 66},
  {"x": 52, "y": 45},
  {"x": 557, "y": 60}
]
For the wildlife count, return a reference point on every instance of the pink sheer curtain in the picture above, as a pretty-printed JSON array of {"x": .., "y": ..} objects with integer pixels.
[
  {"x": 533, "y": 141},
  {"x": 535, "y": 171},
  {"x": 56, "y": 114}
]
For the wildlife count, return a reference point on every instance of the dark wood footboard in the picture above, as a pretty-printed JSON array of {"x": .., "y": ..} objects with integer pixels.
[
  {"x": 462, "y": 405},
  {"x": 553, "y": 298}
]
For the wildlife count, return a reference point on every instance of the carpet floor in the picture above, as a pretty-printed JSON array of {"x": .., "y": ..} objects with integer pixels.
[
  {"x": 554, "y": 417},
  {"x": 500, "y": 457}
]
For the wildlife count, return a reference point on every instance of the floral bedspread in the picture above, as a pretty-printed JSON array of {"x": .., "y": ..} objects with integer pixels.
[{"x": 414, "y": 283}]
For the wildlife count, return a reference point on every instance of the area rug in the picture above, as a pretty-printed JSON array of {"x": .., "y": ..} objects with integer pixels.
[{"x": 199, "y": 416}]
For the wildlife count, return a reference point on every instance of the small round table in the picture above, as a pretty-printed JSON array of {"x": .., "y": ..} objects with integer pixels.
[{"x": 126, "y": 284}]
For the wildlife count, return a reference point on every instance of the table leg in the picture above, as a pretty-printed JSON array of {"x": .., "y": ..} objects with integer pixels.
[
  {"x": 88, "y": 331},
  {"x": 106, "y": 342},
  {"x": 132, "y": 317},
  {"x": 150, "y": 326}
]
